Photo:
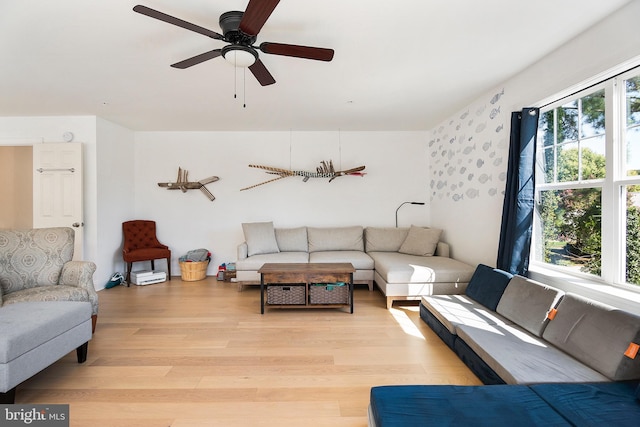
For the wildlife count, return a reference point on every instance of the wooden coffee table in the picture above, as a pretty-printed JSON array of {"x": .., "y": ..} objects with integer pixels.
[{"x": 283, "y": 277}]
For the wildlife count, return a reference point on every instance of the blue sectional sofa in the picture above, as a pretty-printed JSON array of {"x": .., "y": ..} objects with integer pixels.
[{"x": 543, "y": 353}]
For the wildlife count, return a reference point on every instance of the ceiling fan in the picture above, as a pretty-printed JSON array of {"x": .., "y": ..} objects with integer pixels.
[{"x": 240, "y": 30}]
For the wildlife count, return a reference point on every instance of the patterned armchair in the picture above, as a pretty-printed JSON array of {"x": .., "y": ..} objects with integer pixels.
[{"x": 35, "y": 265}]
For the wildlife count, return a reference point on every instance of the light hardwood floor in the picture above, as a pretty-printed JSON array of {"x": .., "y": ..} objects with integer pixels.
[{"x": 200, "y": 354}]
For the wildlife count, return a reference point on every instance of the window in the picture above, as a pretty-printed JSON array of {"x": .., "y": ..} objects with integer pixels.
[{"x": 588, "y": 183}]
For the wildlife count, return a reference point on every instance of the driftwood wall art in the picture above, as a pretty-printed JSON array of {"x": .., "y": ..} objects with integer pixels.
[
  {"x": 183, "y": 183},
  {"x": 325, "y": 170}
]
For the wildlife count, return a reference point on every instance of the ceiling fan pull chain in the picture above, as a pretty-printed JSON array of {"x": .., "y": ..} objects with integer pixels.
[
  {"x": 235, "y": 81},
  {"x": 244, "y": 88}
]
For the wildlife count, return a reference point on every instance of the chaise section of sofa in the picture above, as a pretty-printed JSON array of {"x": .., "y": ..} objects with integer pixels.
[{"x": 412, "y": 262}]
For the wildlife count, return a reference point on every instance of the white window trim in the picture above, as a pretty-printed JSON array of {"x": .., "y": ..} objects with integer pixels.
[{"x": 610, "y": 288}]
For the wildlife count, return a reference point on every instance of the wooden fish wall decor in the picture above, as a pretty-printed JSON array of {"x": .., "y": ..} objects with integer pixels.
[
  {"x": 325, "y": 170},
  {"x": 183, "y": 183}
]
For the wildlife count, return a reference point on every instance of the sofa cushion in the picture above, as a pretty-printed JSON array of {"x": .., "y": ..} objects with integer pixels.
[
  {"x": 260, "y": 238},
  {"x": 451, "y": 405},
  {"x": 335, "y": 239},
  {"x": 255, "y": 262},
  {"x": 455, "y": 310},
  {"x": 359, "y": 260},
  {"x": 527, "y": 303},
  {"x": 292, "y": 239},
  {"x": 384, "y": 239},
  {"x": 420, "y": 241},
  {"x": 487, "y": 285},
  {"x": 594, "y": 404},
  {"x": 395, "y": 267},
  {"x": 48, "y": 293},
  {"x": 520, "y": 357},
  {"x": 598, "y": 335}
]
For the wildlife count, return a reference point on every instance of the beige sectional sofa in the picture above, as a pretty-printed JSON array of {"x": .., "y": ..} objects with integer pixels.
[{"x": 405, "y": 263}]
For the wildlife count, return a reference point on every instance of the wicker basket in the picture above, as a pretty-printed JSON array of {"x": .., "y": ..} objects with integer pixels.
[
  {"x": 286, "y": 294},
  {"x": 193, "y": 271},
  {"x": 329, "y": 293}
]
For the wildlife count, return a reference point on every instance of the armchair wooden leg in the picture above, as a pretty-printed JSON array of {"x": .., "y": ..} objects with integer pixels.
[
  {"x": 82, "y": 351},
  {"x": 94, "y": 320},
  {"x": 169, "y": 268},
  {"x": 128, "y": 276}
]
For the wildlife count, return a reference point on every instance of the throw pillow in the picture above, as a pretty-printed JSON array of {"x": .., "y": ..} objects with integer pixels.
[
  {"x": 487, "y": 285},
  {"x": 421, "y": 241},
  {"x": 260, "y": 238}
]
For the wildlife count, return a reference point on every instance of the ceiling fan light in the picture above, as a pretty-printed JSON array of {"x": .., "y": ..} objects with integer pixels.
[{"x": 239, "y": 56}]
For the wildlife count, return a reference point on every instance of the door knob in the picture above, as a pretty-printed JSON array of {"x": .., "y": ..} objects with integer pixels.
[{"x": 77, "y": 224}]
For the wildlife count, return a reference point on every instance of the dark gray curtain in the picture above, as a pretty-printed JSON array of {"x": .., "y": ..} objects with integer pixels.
[{"x": 517, "y": 211}]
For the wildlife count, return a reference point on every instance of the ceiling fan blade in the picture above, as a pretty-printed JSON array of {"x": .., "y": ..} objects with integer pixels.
[
  {"x": 261, "y": 73},
  {"x": 257, "y": 13},
  {"x": 176, "y": 21},
  {"x": 197, "y": 59},
  {"x": 317, "y": 53}
]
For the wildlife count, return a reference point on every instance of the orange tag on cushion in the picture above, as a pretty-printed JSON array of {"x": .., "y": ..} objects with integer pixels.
[
  {"x": 552, "y": 314},
  {"x": 632, "y": 350}
]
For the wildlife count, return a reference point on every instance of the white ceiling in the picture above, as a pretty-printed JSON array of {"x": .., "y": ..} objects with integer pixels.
[{"x": 398, "y": 65}]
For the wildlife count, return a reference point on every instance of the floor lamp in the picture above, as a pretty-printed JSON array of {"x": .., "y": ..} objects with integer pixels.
[{"x": 404, "y": 203}]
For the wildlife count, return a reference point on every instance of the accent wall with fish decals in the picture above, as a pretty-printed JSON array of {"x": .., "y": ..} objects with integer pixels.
[{"x": 469, "y": 153}]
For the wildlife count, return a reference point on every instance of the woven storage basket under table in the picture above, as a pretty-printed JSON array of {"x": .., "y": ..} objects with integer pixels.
[
  {"x": 193, "y": 271},
  {"x": 329, "y": 293},
  {"x": 286, "y": 294}
]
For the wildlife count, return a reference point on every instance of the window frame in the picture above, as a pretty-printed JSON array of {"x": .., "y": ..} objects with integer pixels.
[{"x": 613, "y": 185}]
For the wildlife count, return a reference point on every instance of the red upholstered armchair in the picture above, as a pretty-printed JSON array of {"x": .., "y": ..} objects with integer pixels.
[{"x": 141, "y": 244}]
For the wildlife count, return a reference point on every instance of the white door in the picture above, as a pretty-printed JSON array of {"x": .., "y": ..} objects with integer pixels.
[{"x": 57, "y": 188}]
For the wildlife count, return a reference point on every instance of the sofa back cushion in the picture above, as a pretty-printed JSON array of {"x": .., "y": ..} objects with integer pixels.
[
  {"x": 602, "y": 337},
  {"x": 335, "y": 239},
  {"x": 421, "y": 241},
  {"x": 292, "y": 239},
  {"x": 527, "y": 303},
  {"x": 260, "y": 238},
  {"x": 487, "y": 285},
  {"x": 31, "y": 258},
  {"x": 384, "y": 239}
]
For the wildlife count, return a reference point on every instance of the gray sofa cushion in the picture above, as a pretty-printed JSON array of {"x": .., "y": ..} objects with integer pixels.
[
  {"x": 335, "y": 239},
  {"x": 360, "y": 260},
  {"x": 519, "y": 357},
  {"x": 596, "y": 334},
  {"x": 255, "y": 262},
  {"x": 384, "y": 239},
  {"x": 527, "y": 303},
  {"x": 292, "y": 239},
  {"x": 487, "y": 285},
  {"x": 456, "y": 310},
  {"x": 260, "y": 238},
  {"x": 395, "y": 267}
]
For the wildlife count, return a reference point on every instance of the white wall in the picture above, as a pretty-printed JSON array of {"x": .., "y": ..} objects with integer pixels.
[
  {"x": 395, "y": 166},
  {"x": 115, "y": 195}
]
